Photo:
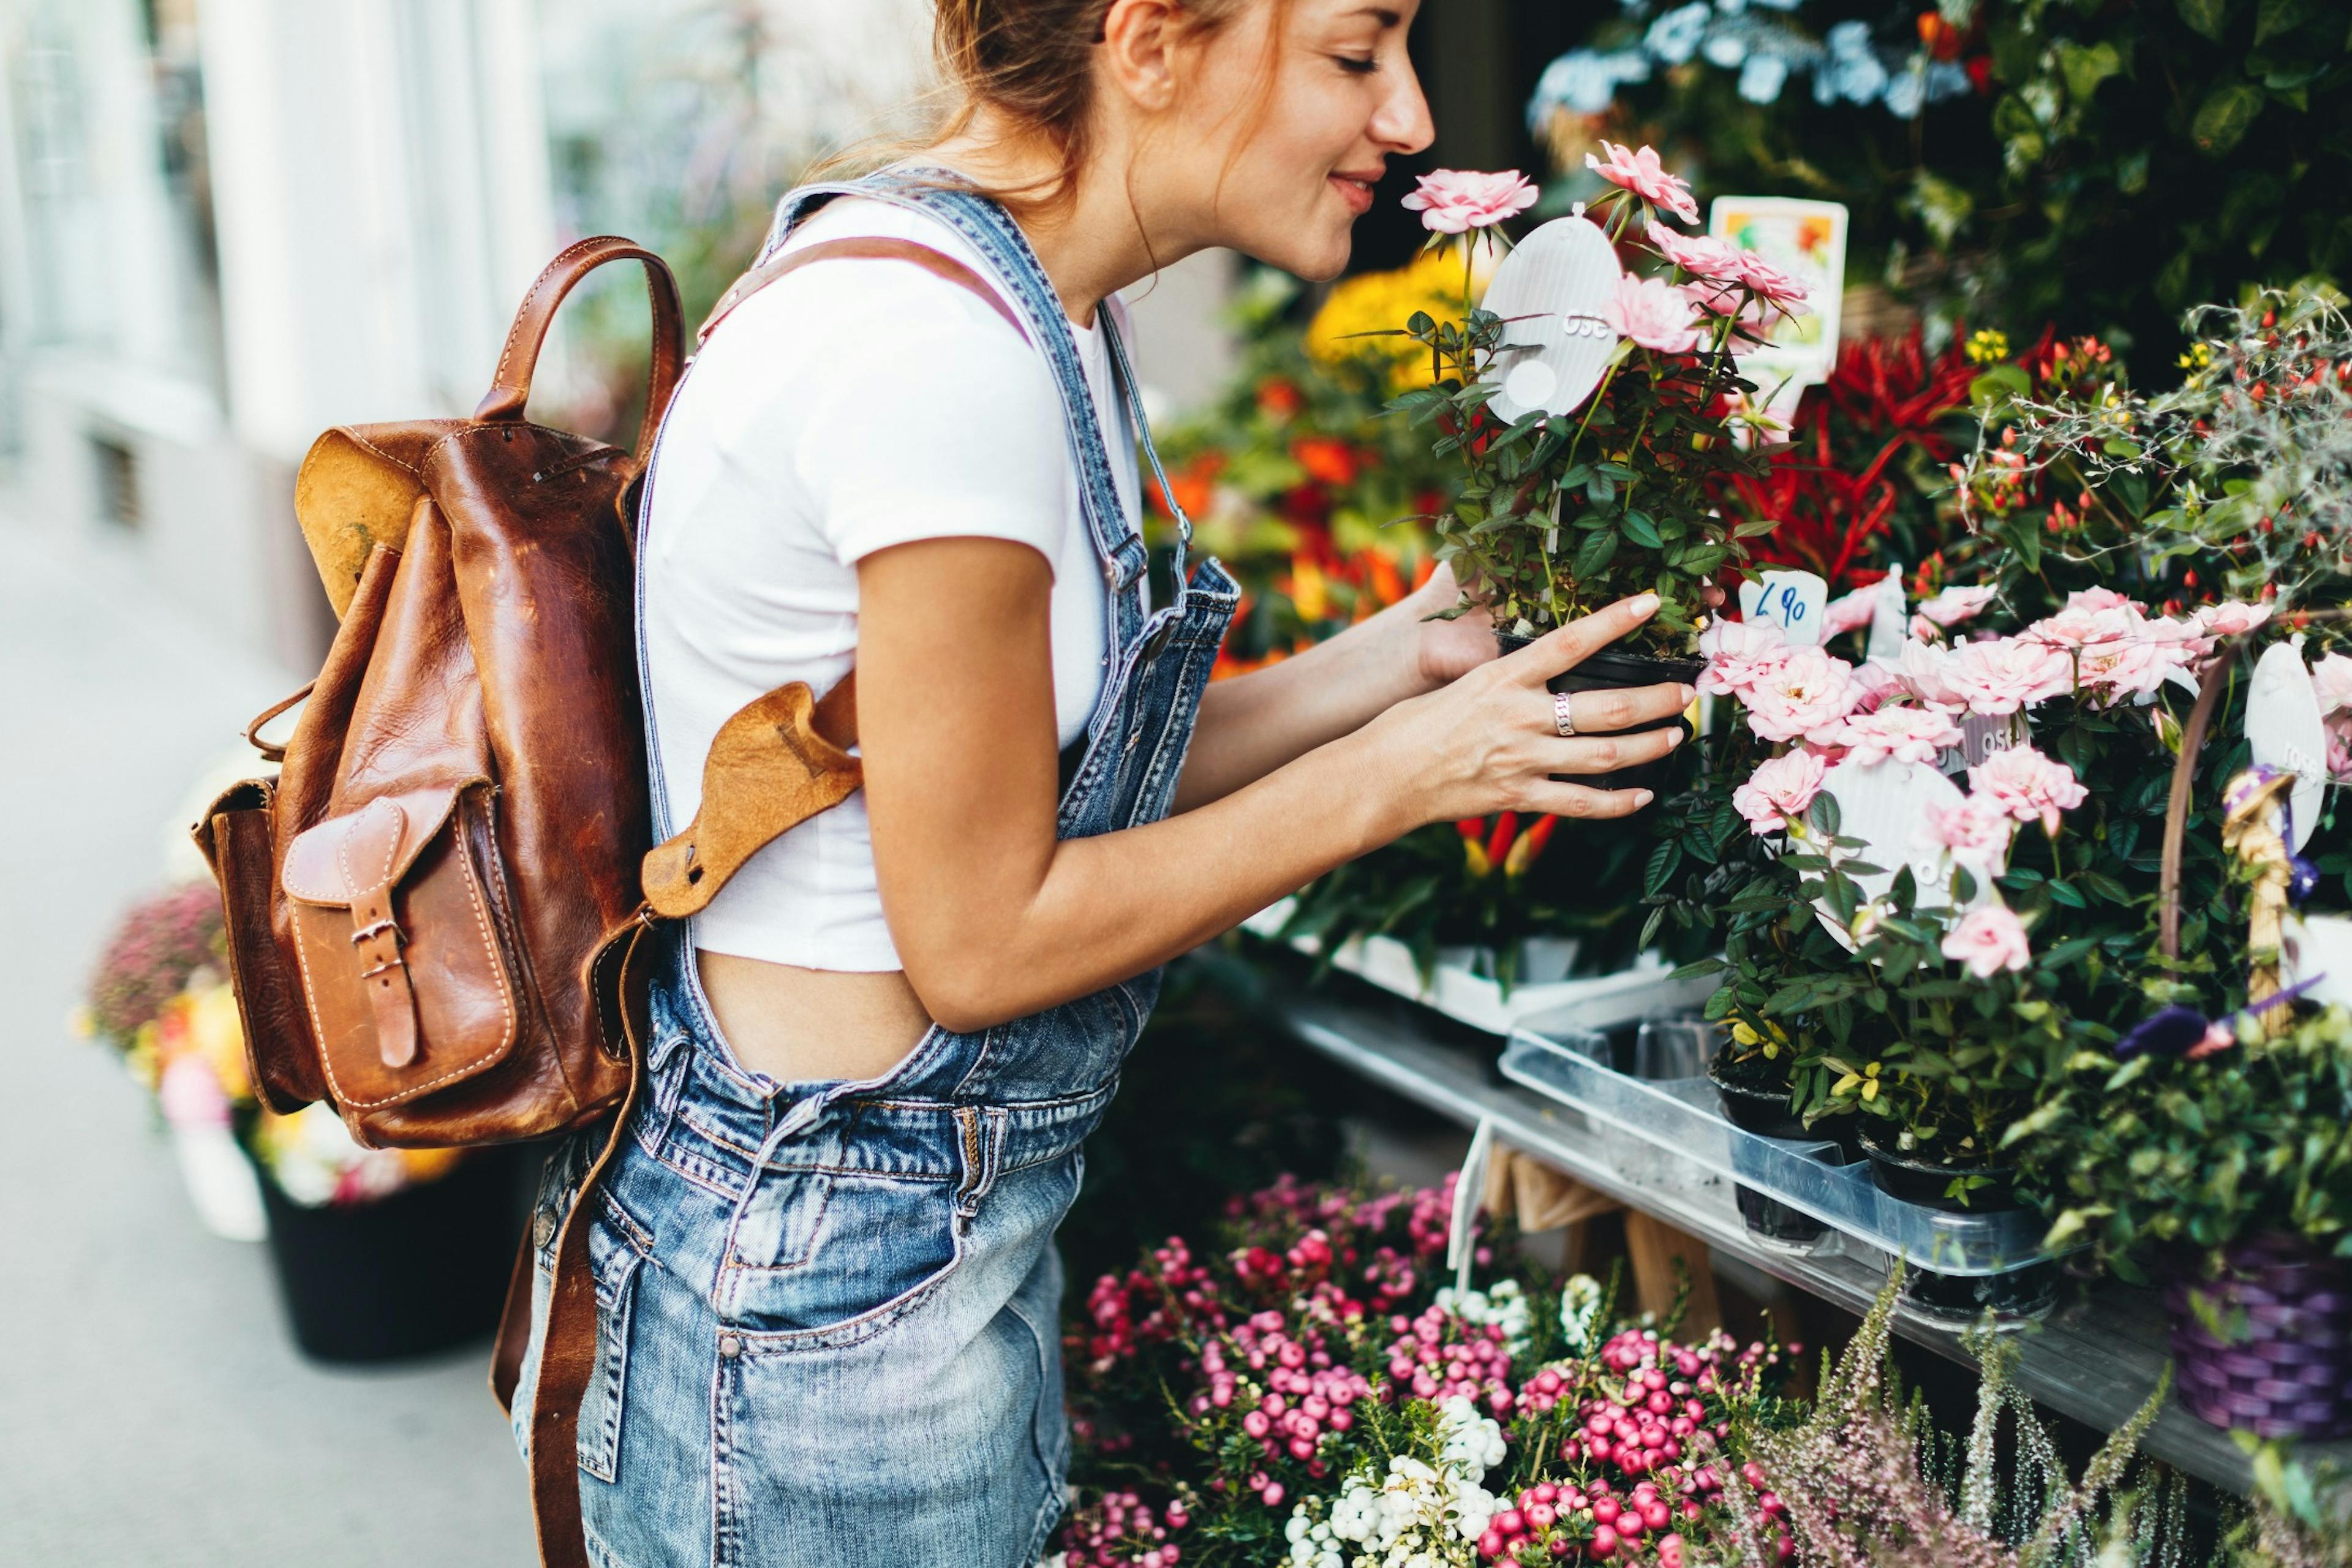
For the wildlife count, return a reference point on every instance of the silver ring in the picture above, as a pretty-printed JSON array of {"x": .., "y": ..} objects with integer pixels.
[{"x": 1562, "y": 716}]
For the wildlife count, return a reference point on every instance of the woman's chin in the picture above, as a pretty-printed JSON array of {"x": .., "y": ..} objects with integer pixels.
[{"x": 1315, "y": 259}]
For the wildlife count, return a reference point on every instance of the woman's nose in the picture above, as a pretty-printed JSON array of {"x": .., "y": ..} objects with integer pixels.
[{"x": 1403, "y": 125}]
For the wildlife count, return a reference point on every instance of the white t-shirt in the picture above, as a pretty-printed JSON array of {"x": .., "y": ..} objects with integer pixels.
[{"x": 849, "y": 406}]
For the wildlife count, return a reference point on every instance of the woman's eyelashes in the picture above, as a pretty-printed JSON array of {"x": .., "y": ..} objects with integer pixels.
[{"x": 1358, "y": 65}]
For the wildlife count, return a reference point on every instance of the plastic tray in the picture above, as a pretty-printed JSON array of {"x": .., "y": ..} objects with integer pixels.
[
  {"x": 1594, "y": 1001},
  {"x": 1680, "y": 1118}
]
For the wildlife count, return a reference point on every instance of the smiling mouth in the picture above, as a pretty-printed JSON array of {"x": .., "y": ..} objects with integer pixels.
[{"x": 1356, "y": 190}]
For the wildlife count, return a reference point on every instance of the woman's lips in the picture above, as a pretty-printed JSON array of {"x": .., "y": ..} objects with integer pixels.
[{"x": 1356, "y": 193}]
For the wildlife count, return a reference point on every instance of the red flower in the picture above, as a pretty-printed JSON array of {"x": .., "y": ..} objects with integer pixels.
[
  {"x": 1279, "y": 398},
  {"x": 1194, "y": 484}
]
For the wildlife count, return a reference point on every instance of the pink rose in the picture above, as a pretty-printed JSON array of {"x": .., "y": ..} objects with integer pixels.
[
  {"x": 1699, "y": 255},
  {"x": 1924, "y": 668},
  {"x": 1778, "y": 792},
  {"x": 2095, "y": 599},
  {"x": 2027, "y": 785},
  {"x": 1737, "y": 653},
  {"x": 1949, "y": 608},
  {"x": 2339, "y": 745},
  {"x": 1456, "y": 201},
  {"x": 1773, "y": 286},
  {"x": 2133, "y": 667},
  {"x": 1850, "y": 612},
  {"x": 2229, "y": 620},
  {"x": 2332, "y": 679},
  {"x": 1989, "y": 940},
  {"x": 1901, "y": 735},
  {"x": 1641, "y": 174},
  {"x": 1805, "y": 691},
  {"x": 1729, "y": 300},
  {"x": 1875, "y": 685},
  {"x": 2006, "y": 674},
  {"x": 1654, "y": 313},
  {"x": 1977, "y": 830},
  {"x": 2078, "y": 627}
]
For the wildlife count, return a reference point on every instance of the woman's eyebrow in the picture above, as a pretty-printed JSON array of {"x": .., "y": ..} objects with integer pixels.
[{"x": 1387, "y": 18}]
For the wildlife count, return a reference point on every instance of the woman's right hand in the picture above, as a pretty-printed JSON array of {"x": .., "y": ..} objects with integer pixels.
[{"x": 1489, "y": 741}]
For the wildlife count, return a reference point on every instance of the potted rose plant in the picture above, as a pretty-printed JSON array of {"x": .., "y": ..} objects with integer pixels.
[{"x": 1561, "y": 511}]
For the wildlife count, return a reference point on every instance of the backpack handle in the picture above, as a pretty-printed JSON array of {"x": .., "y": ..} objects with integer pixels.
[{"x": 510, "y": 393}]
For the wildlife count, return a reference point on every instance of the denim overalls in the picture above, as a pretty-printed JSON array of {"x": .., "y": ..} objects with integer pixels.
[{"x": 829, "y": 1313}]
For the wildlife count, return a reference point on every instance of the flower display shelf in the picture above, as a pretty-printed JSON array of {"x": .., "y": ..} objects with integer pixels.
[
  {"x": 1681, "y": 1117},
  {"x": 2093, "y": 1359},
  {"x": 1456, "y": 990}
]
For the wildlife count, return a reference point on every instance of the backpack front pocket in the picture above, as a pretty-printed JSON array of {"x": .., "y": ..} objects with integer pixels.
[{"x": 406, "y": 983}]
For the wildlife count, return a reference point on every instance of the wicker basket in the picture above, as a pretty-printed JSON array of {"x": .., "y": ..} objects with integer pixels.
[{"x": 2286, "y": 1369}]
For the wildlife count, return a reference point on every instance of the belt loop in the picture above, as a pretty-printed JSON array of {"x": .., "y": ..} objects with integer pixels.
[
  {"x": 980, "y": 1138},
  {"x": 797, "y": 1117}
]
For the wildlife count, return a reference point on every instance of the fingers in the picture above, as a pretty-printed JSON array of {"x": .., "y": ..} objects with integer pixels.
[
  {"x": 1582, "y": 801},
  {"x": 1569, "y": 646},
  {"x": 1625, "y": 708},
  {"x": 1590, "y": 755}
]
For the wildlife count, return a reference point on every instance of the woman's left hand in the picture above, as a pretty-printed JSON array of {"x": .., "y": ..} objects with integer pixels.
[{"x": 1445, "y": 651}]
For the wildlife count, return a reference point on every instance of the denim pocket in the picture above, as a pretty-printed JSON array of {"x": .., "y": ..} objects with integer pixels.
[
  {"x": 848, "y": 1251},
  {"x": 615, "y": 1257}
]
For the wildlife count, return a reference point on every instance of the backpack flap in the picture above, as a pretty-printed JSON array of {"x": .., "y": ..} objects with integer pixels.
[{"x": 408, "y": 988}]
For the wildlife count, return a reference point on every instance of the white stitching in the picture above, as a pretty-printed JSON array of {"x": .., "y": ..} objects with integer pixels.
[
  {"x": 546, "y": 273},
  {"x": 361, "y": 440},
  {"x": 506, "y": 1001}
]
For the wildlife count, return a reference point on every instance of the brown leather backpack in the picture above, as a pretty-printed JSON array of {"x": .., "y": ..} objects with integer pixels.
[{"x": 437, "y": 909}]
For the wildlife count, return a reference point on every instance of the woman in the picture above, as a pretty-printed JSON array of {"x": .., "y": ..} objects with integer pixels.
[{"x": 827, "y": 1292}]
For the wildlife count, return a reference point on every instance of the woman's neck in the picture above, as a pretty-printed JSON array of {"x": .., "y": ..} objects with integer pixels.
[{"x": 1094, "y": 244}]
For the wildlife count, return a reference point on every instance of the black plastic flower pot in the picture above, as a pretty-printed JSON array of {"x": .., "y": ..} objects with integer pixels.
[
  {"x": 1763, "y": 1111},
  {"x": 1611, "y": 671},
  {"x": 422, "y": 1270},
  {"x": 1959, "y": 1297}
]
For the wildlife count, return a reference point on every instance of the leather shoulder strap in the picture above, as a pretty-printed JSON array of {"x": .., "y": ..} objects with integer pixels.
[{"x": 868, "y": 248}]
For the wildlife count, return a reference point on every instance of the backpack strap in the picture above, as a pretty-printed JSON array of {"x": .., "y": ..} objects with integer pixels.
[
  {"x": 509, "y": 393},
  {"x": 871, "y": 247}
]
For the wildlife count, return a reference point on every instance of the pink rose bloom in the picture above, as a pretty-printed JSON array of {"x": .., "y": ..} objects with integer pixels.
[
  {"x": 1901, "y": 734},
  {"x": 1773, "y": 285},
  {"x": 1976, "y": 830},
  {"x": 1641, "y": 174},
  {"x": 1654, "y": 313},
  {"x": 2006, "y": 674},
  {"x": 1850, "y": 612},
  {"x": 2339, "y": 745},
  {"x": 1807, "y": 691},
  {"x": 2116, "y": 670},
  {"x": 1923, "y": 669},
  {"x": 2027, "y": 785},
  {"x": 2229, "y": 620},
  {"x": 2076, "y": 627},
  {"x": 1456, "y": 201},
  {"x": 1949, "y": 608},
  {"x": 1873, "y": 685},
  {"x": 2332, "y": 679},
  {"x": 2101, "y": 599},
  {"x": 1989, "y": 940},
  {"x": 1699, "y": 255},
  {"x": 1736, "y": 654},
  {"x": 1710, "y": 298},
  {"x": 1778, "y": 792}
]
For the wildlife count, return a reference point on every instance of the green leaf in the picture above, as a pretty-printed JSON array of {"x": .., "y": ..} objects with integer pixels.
[
  {"x": 2223, "y": 118},
  {"x": 1823, "y": 814},
  {"x": 2275, "y": 16},
  {"x": 1641, "y": 531},
  {"x": 2025, "y": 537},
  {"x": 1600, "y": 491},
  {"x": 2001, "y": 381},
  {"x": 1592, "y": 556},
  {"x": 2085, "y": 67},
  {"x": 1755, "y": 526},
  {"x": 2206, "y": 16}
]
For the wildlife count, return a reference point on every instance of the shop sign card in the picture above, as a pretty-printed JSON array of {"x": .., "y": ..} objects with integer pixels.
[
  {"x": 1806, "y": 241},
  {"x": 2284, "y": 729},
  {"x": 1791, "y": 601},
  {"x": 1550, "y": 291},
  {"x": 1884, "y": 805}
]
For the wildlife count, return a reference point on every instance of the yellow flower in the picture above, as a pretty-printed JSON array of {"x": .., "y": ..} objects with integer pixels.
[
  {"x": 1384, "y": 302},
  {"x": 1988, "y": 347}
]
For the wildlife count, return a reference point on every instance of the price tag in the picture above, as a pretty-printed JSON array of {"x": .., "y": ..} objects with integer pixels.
[
  {"x": 1885, "y": 805},
  {"x": 1982, "y": 734},
  {"x": 2285, "y": 730},
  {"x": 1792, "y": 601}
]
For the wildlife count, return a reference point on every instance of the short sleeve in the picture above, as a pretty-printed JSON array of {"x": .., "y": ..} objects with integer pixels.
[{"x": 936, "y": 420}]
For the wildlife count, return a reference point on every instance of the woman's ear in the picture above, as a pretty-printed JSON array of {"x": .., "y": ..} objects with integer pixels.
[{"x": 1138, "y": 44}]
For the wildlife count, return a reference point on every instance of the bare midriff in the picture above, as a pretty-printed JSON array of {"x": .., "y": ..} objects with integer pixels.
[{"x": 806, "y": 1025}]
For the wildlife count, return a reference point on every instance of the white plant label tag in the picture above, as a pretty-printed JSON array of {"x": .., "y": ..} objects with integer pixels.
[
  {"x": 1981, "y": 735},
  {"x": 1885, "y": 805},
  {"x": 1805, "y": 239},
  {"x": 1550, "y": 290},
  {"x": 1889, "y": 626},
  {"x": 2319, "y": 954},
  {"x": 2285, "y": 730},
  {"x": 1792, "y": 601}
]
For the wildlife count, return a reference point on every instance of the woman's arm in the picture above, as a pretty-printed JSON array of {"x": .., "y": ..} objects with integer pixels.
[
  {"x": 995, "y": 918},
  {"x": 1254, "y": 723}
]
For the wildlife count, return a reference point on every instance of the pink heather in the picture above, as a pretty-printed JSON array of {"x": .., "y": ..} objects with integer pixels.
[{"x": 1456, "y": 201}]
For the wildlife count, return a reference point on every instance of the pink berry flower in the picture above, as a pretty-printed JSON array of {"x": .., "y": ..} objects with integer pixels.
[
  {"x": 1898, "y": 734},
  {"x": 1949, "y": 608},
  {"x": 1738, "y": 653},
  {"x": 1456, "y": 201},
  {"x": 1641, "y": 174},
  {"x": 1778, "y": 793},
  {"x": 2006, "y": 674},
  {"x": 2027, "y": 785},
  {"x": 1654, "y": 313},
  {"x": 1806, "y": 691},
  {"x": 1989, "y": 940},
  {"x": 1977, "y": 830},
  {"x": 2332, "y": 679}
]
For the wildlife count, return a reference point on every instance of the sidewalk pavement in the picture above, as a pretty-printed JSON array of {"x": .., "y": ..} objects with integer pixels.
[{"x": 152, "y": 1409}]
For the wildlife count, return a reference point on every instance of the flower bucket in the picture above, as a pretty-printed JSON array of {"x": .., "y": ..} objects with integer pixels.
[
  {"x": 421, "y": 1271},
  {"x": 1610, "y": 670},
  {"x": 2283, "y": 1367}
]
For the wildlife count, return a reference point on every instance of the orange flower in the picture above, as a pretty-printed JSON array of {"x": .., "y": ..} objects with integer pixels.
[
  {"x": 1279, "y": 398},
  {"x": 1327, "y": 460},
  {"x": 1194, "y": 484}
]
